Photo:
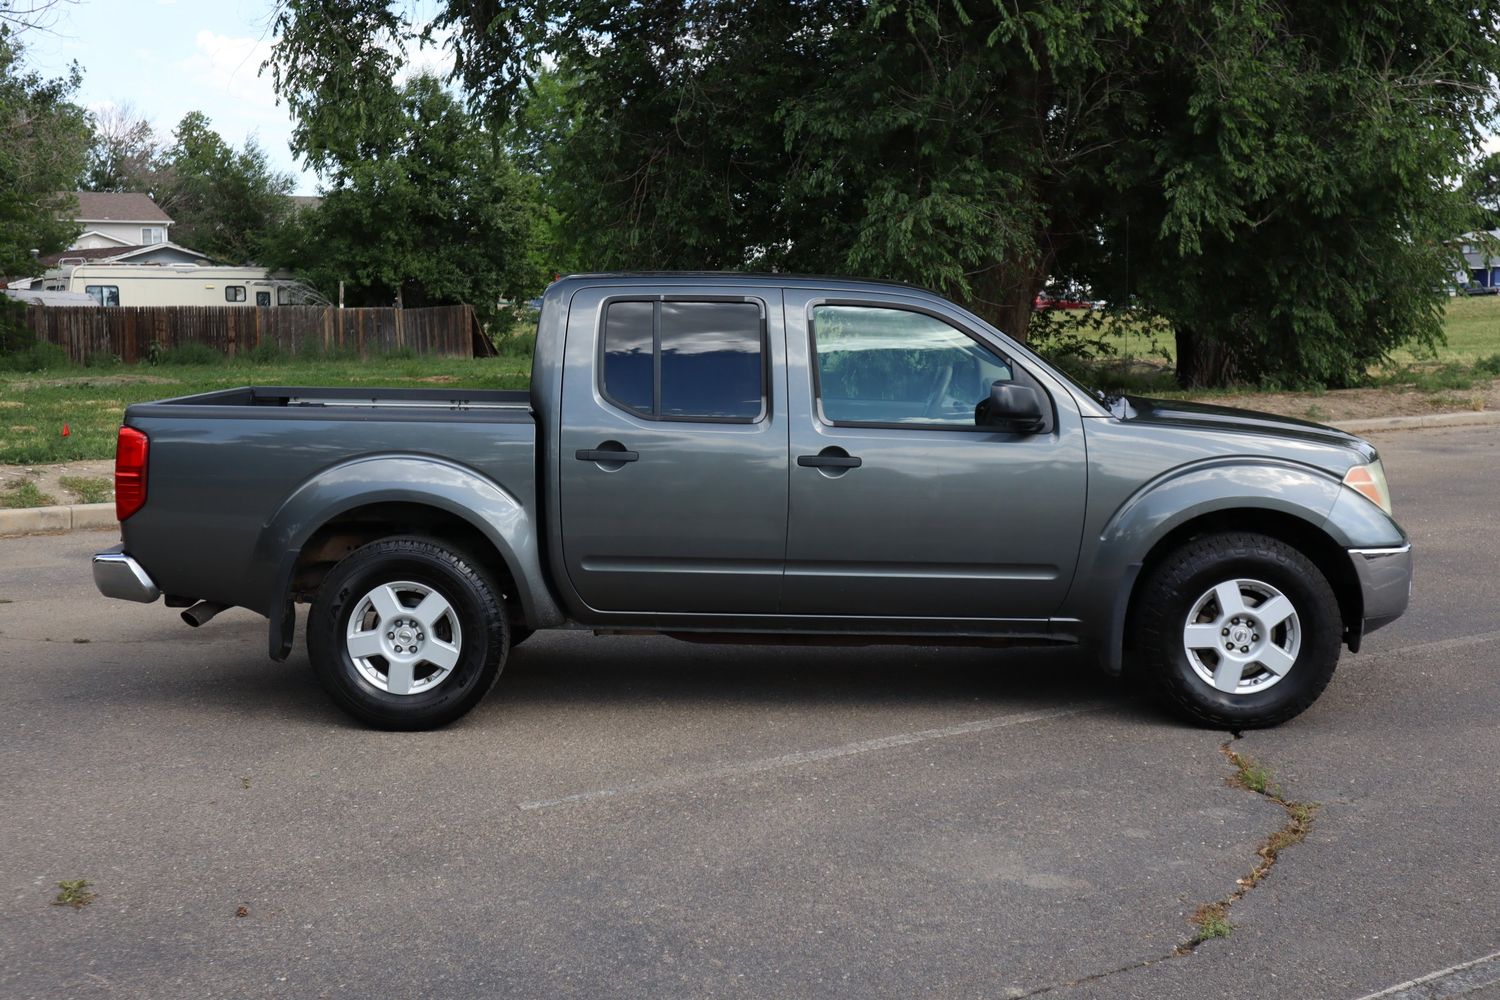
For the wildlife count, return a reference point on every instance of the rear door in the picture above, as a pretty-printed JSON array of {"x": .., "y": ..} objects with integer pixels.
[
  {"x": 901, "y": 505},
  {"x": 673, "y": 482}
]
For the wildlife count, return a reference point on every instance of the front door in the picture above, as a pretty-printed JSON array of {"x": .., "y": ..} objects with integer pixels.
[
  {"x": 673, "y": 456},
  {"x": 902, "y": 506}
]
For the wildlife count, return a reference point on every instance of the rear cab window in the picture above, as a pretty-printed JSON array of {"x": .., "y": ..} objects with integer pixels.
[{"x": 667, "y": 359}]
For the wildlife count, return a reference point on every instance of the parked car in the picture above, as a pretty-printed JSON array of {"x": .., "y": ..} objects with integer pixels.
[
  {"x": 773, "y": 458},
  {"x": 1046, "y": 301}
]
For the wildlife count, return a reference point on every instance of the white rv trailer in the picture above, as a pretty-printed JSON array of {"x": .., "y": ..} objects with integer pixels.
[{"x": 177, "y": 285}]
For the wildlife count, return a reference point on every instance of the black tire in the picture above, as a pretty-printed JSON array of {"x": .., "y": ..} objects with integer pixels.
[
  {"x": 475, "y": 602},
  {"x": 1172, "y": 589}
]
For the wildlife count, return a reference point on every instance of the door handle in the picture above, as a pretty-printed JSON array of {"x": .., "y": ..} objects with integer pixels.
[
  {"x": 606, "y": 455},
  {"x": 829, "y": 461}
]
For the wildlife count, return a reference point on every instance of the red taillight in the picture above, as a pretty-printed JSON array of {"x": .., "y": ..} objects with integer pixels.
[{"x": 130, "y": 472}]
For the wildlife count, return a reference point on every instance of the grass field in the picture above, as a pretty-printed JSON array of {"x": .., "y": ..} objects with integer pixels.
[
  {"x": 35, "y": 407},
  {"x": 1472, "y": 326}
]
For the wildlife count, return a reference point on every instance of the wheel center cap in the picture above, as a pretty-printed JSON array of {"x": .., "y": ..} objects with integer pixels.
[
  {"x": 1241, "y": 635},
  {"x": 406, "y": 637}
]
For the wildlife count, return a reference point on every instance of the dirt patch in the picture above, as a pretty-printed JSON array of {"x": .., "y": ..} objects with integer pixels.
[
  {"x": 48, "y": 478},
  {"x": 90, "y": 380},
  {"x": 1338, "y": 405},
  {"x": 442, "y": 379}
]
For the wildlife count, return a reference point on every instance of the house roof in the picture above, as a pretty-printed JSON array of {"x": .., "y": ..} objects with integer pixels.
[
  {"x": 118, "y": 206},
  {"x": 88, "y": 253},
  {"x": 122, "y": 254},
  {"x": 115, "y": 241}
]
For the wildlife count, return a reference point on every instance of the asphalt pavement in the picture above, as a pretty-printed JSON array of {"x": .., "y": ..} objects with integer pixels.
[{"x": 637, "y": 817}]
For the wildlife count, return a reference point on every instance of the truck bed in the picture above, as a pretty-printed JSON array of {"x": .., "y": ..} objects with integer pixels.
[
  {"x": 231, "y": 471},
  {"x": 292, "y": 401}
]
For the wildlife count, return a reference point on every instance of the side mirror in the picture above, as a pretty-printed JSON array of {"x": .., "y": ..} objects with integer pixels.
[{"x": 1010, "y": 407}]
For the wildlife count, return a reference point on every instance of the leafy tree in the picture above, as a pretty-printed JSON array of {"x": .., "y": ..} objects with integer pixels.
[
  {"x": 224, "y": 202},
  {"x": 1483, "y": 187},
  {"x": 1286, "y": 184},
  {"x": 420, "y": 200},
  {"x": 126, "y": 154},
  {"x": 43, "y": 138},
  {"x": 1276, "y": 178}
]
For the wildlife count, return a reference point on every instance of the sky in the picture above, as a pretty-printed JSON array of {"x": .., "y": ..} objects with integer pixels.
[{"x": 165, "y": 58}]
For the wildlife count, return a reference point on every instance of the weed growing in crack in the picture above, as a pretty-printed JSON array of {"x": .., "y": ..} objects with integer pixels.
[
  {"x": 1248, "y": 774},
  {"x": 75, "y": 893},
  {"x": 1212, "y": 920}
]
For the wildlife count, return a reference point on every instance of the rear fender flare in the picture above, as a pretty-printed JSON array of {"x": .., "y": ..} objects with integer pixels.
[{"x": 414, "y": 479}]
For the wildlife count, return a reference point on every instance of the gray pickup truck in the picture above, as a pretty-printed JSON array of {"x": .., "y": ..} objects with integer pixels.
[{"x": 769, "y": 458}]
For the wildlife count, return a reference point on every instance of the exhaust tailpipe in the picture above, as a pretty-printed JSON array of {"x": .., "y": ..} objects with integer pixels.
[{"x": 202, "y": 613}]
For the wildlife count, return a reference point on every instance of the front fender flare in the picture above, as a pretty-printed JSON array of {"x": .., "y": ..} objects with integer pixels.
[
  {"x": 417, "y": 479},
  {"x": 1101, "y": 593}
]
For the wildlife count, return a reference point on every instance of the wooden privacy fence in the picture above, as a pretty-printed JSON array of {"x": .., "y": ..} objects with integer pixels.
[{"x": 127, "y": 332}]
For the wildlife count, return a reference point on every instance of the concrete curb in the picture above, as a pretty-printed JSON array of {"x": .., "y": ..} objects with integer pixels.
[
  {"x": 81, "y": 516},
  {"x": 70, "y": 517},
  {"x": 1425, "y": 420}
]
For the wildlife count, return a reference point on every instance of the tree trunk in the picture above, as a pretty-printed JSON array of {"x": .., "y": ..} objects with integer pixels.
[
  {"x": 1004, "y": 296},
  {"x": 1203, "y": 363}
]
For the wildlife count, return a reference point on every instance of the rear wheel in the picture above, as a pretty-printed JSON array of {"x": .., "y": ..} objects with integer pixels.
[
  {"x": 1238, "y": 630},
  {"x": 406, "y": 633}
]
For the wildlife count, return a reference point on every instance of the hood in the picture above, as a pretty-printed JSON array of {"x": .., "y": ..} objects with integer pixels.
[{"x": 1227, "y": 418}]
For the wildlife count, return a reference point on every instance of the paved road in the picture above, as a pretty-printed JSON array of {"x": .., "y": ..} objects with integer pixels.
[{"x": 633, "y": 817}]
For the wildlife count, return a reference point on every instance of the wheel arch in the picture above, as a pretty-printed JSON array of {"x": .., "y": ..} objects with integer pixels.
[
  {"x": 1331, "y": 559},
  {"x": 360, "y": 502}
]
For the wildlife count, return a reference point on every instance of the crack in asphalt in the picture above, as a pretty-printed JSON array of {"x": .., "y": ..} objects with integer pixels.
[
  {"x": 1294, "y": 831},
  {"x": 1248, "y": 775}
]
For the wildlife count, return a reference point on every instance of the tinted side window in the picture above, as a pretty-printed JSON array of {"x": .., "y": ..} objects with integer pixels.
[
  {"x": 685, "y": 360},
  {"x": 890, "y": 366},
  {"x": 628, "y": 361},
  {"x": 711, "y": 360}
]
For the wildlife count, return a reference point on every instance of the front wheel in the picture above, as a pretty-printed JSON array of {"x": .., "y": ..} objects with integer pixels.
[
  {"x": 1238, "y": 630},
  {"x": 407, "y": 634}
]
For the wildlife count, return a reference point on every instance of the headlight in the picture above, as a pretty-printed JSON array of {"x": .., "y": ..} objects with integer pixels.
[{"x": 1369, "y": 482}]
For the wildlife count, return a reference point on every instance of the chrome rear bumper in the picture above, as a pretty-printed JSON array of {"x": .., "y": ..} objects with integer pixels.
[
  {"x": 1385, "y": 583},
  {"x": 121, "y": 577}
]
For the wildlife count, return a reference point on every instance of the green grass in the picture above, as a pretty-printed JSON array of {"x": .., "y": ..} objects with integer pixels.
[
  {"x": 26, "y": 494},
  {"x": 1472, "y": 326},
  {"x": 88, "y": 489},
  {"x": 34, "y": 407}
]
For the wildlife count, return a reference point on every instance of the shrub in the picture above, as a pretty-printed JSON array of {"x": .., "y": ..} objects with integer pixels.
[
  {"x": 39, "y": 357},
  {"x": 191, "y": 354},
  {"x": 15, "y": 335},
  {"x": 265, "y": 354}
]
